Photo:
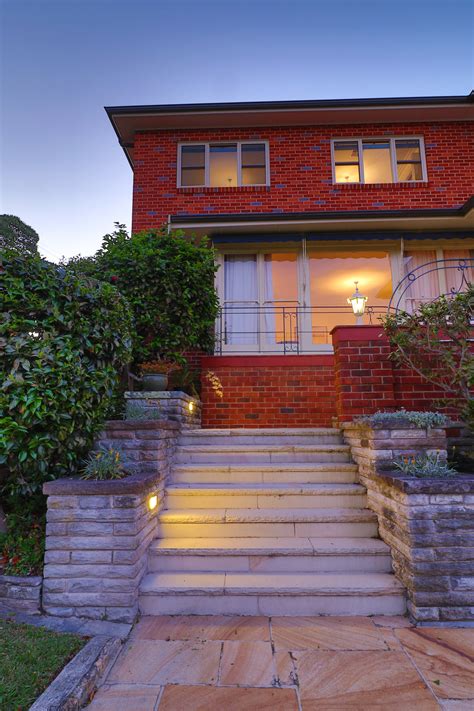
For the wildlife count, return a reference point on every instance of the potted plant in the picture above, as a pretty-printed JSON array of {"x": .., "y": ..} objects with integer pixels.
[{"x": 155, "y": 374}]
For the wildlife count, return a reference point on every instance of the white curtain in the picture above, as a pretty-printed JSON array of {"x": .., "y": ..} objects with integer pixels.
[
  {"x": 270, "y": 330},
  {"x": 455, "y": 278},
  {"x": 241, "y": 299},
  {"x": 426, "y": 286}
]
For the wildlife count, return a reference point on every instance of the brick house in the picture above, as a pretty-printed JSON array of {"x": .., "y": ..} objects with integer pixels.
[{"x": 301, "y": 199}]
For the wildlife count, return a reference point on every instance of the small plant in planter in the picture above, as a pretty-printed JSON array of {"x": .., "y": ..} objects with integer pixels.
[
  {"x": 136, "y": 413},
  {"x": 105, "y": 464},
  {"x": 155, "y": 374},
  {"x": 424, "y": 466}
]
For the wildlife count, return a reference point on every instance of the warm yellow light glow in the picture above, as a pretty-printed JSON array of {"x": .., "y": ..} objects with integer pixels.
[
  {"x": 191, "y": 406},
  {"x": 152, "y": 502},
  {"x": 357, "y": 301}
]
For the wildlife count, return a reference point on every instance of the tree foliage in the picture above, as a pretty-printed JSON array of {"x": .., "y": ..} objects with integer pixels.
[
  {"x": 436, "y": 342},
  {"x": 64, "y": 339},
  {"x": 168, "y": 280},
  {"x": 16, "y": 235}
]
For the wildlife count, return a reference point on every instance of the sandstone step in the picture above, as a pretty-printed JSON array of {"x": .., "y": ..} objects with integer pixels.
[
  {"x": 180, "y": 496},
  {"x": 262, "y": 436},
  {"x": 316, "y": 473},
  {"x": 253, "y": 453},
  {"x": 271, "y": 593},
  {"x": 229, "y": 523},
  {"x": 269, "y": 555}
]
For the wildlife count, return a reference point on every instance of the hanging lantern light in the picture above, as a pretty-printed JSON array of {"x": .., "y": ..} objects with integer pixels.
[{"x": 357, "y": 301}]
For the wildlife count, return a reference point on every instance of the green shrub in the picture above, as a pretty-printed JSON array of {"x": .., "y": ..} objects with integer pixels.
[
  {"x": 65, "y": 338},
  {"x": 425, "y": 420},
  {"x": 134, "y": 412},
  {"x": 424, "y": 466},
  {"x": 105, "y": 464},
  {"x": 169, "y": 282},
  {"x": 17, "y": 236},
  {"x": 22, "y": 547}
]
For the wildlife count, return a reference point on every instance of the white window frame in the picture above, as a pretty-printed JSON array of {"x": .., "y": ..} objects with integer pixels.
[
  {"x": 393, "y": 158},
  {"x": 207, "y": 171}
]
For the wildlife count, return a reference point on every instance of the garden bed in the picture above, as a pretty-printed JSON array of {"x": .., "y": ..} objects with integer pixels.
[{"x": 30, "y": 658}]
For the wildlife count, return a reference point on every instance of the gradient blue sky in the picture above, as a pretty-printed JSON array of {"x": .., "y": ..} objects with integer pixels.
[{"x": 62, "y": 170}]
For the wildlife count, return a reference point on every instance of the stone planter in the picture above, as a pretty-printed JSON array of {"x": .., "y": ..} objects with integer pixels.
[
  {"x": 428, "y": 523},
  {"x": 173, "y": 405},
  {"x": 152, "y": 382}
]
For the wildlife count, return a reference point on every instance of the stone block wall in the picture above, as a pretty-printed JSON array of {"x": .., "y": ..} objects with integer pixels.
[
  {"x": 21, "y": 594},
  {"x": 98, "y": 532},
  {"x": 173, "y": 405},
  {"x": 428, "y": 523}
]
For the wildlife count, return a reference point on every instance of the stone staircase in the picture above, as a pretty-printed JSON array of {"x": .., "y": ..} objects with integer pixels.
[{"x": 268, "y": 522}]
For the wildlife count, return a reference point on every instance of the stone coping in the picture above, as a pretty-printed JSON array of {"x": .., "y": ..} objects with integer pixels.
[
  {"x": 33, "y": 580},
  {"x": 132, "y": 425},
  {"x": 133, "y": 484},
  {"x": 400, "y": 424},
  {"x": 460, "y": 484},
  {"x": 160, "y": 395}
]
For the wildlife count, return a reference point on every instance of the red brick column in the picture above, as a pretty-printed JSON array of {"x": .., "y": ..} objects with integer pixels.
[{"x": 364, "y": 373}]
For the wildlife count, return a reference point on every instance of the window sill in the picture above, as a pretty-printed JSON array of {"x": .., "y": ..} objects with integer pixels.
[
  {"x": 382, "y": 186},
  {"x": 233, "y": 189}
]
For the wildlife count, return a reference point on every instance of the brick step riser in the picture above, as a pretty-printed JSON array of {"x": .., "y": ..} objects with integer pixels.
[
  {"x": 268, "y": 530},
  {"x": 270, "y": 563},
  {"x": 305, "y": 501},
  {"x": 268, "y": 605}
]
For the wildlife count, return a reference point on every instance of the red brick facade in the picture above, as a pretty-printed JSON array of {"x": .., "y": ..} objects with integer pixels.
[
  {"x": 269, "y": 391},
  {"x": 300, "y": 173}
]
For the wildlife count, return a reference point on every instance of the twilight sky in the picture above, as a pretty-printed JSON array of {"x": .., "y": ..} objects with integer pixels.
[{"x": 61, "y": 168}]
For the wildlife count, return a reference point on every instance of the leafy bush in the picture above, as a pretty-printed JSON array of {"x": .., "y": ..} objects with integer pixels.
[
  {"x": 169, "y": 282},
  {"x": 424, "y": 466},
  {"x": 426, "y": 420},
  {"x": 105, "y": 464},
  {"x": 435, "y": 342},
  {"x": 17, "y": 236},
  {"x": 65, "y": 337},
  {"x": 22, "y": 547}
]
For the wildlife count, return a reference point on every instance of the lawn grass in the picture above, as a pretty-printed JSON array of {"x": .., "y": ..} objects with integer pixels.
[{"x": 30, "y": 658}]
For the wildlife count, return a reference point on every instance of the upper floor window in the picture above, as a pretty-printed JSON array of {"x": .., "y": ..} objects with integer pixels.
[
  {"x": 379, "y": 160},
  {"x": 219, "y": 165}
]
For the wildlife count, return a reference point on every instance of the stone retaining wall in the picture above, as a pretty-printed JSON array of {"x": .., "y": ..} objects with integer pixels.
[
  {"x": 21, "y": 594},
  {"x": 173, "y": 405},
  {"x": 428, "y": 523},
  {"x": 98, "y": 532}
]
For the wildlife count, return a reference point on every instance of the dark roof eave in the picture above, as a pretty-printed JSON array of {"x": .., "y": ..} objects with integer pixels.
[
  {"x": 315, "y": 216},
  {"x": 282, "y": 105}
]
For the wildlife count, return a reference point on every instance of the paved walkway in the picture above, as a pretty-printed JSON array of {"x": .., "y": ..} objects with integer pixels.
[{"x": 289, "y": 664}]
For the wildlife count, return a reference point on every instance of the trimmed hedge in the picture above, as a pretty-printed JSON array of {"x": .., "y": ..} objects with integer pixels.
[{"x": 65, "y": 338}]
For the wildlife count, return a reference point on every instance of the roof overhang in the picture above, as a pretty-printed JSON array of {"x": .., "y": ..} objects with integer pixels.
[
  {"x": 128, "y": 120},
  {"x": 460, "y": 219}
]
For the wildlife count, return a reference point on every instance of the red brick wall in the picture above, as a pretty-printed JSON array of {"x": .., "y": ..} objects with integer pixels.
[
  {"x": 300, "y": 166},
  {"x": 269, "y": 391},
  {"x": 367, "y": 380}
]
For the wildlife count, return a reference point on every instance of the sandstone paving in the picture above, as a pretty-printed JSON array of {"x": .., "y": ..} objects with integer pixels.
[{"x": 198, "y": 663}]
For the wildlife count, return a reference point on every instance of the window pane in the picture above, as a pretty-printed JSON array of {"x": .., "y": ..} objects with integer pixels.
[
  {"x": 253, "y": 176},
  {"x": 332, "y": 277},
  {"x": 409, "y": 171},
  {"x": 408, "y": 150},
  {"x": 425, "y": 286},
  {"x": 223, "y": 165},
  {"x": 347, "y": 174},
  {"x": 253, "y": 154},
  {"x": 240, "y": 292},
  {"x": 192, "y": 156},
  {"x": 377, "y": 165},
  {"x": 346, "y": 152},
  {"x": 457, "y": 278},
  {"x": 191, "y": 176},
  {"x": 281, "y": 299}
]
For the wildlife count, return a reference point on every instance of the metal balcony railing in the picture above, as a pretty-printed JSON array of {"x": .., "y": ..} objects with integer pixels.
[{"x": 283, "y": 328}]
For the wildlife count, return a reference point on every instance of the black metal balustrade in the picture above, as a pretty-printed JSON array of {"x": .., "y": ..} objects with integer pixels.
[{"x": 283, "y": 329}]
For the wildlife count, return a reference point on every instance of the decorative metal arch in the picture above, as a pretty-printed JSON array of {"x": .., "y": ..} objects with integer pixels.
[{"x": 462, "y": 269}]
